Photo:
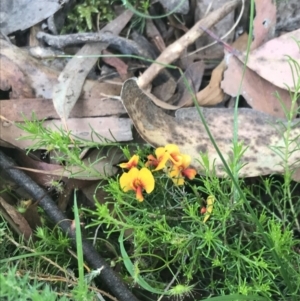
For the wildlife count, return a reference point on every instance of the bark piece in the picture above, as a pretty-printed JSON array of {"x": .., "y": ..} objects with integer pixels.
[{"x": 18, "y": 109}]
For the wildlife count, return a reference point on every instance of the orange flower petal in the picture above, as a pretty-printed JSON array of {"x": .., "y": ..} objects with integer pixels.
[
  {"x": 152, "y": 161},
  {"x": 190, "y": 173},
  {"x": 139, "y": 195},
  {"x": 133, "y": 162}
]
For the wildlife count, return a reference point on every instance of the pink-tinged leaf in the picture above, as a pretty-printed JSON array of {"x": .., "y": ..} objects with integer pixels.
[
  {"x": 272, "y": 61},
  {"x": 116, "y": 62},
  {"x": 264, "y": 22},
  {"x": 259, "y": 93}
]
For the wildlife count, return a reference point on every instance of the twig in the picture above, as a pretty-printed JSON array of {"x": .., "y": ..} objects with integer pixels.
[
  {"x": 113, "y": 282},
  {"x": 174, "y": 51},
  {"x": 123, "y": 45}
]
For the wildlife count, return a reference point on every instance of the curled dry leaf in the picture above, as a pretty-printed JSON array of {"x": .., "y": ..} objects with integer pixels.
[
  {"x": 212, "y": 94},
  {"x": 258, "y": 132}
]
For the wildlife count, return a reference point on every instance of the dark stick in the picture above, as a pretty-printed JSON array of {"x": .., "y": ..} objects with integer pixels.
[
  {"x": 123, "y": 45},
  {"x": 107, "y": 275}
]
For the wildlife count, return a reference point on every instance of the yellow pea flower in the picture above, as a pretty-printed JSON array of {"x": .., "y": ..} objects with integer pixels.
[
  {"x": 159, "y": 162},
  {"x": 133, "y": 162},
  {"x": 180, "y": 171},
  {"x": 163, "y": 155},
  {"x": 174, "y": 152},
  {"x": 137, "y": 180}
]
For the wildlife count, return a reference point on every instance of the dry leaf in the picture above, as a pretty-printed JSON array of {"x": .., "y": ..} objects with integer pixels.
[
  {"x": 115, "y": 62},
  {"x": 71, "y": 79},
  {"x": 273, "y": 60},
  {"x": 259, "y": 93},
  {"x": 18, "y": 109},
  {"x": 15, "y": 219},
  {"x": 164, "y": 86},
  {"x": 264, "y": 22},
  {"x": 22, "y": 14},
  {"x": 213, "y": 94},
  {"x": 189, "y": 83}
]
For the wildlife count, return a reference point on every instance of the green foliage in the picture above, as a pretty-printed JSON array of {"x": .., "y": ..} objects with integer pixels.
[
  {"x": 14, "y": 287},
  {"x": 58, "y": 142},
  {"x": 227, "y": 254},
  {"x": 35, "y": 273},
  {"x": 84, "y": 16},
  {"x": 247, "y": 250}
]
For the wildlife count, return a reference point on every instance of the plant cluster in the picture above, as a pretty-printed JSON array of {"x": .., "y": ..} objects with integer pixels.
[
  {"x": 165, "y": 238},
  {"x": 169, "y": 158}
]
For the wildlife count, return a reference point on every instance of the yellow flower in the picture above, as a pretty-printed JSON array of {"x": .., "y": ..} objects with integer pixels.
[
  {"x": 137, "y": 180},
  {"x": 163, "y": 155},
  {"x": 180, "y": 171},
  {"x": 133, "y": 162},
  {"x": 175, "y": 155}
]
